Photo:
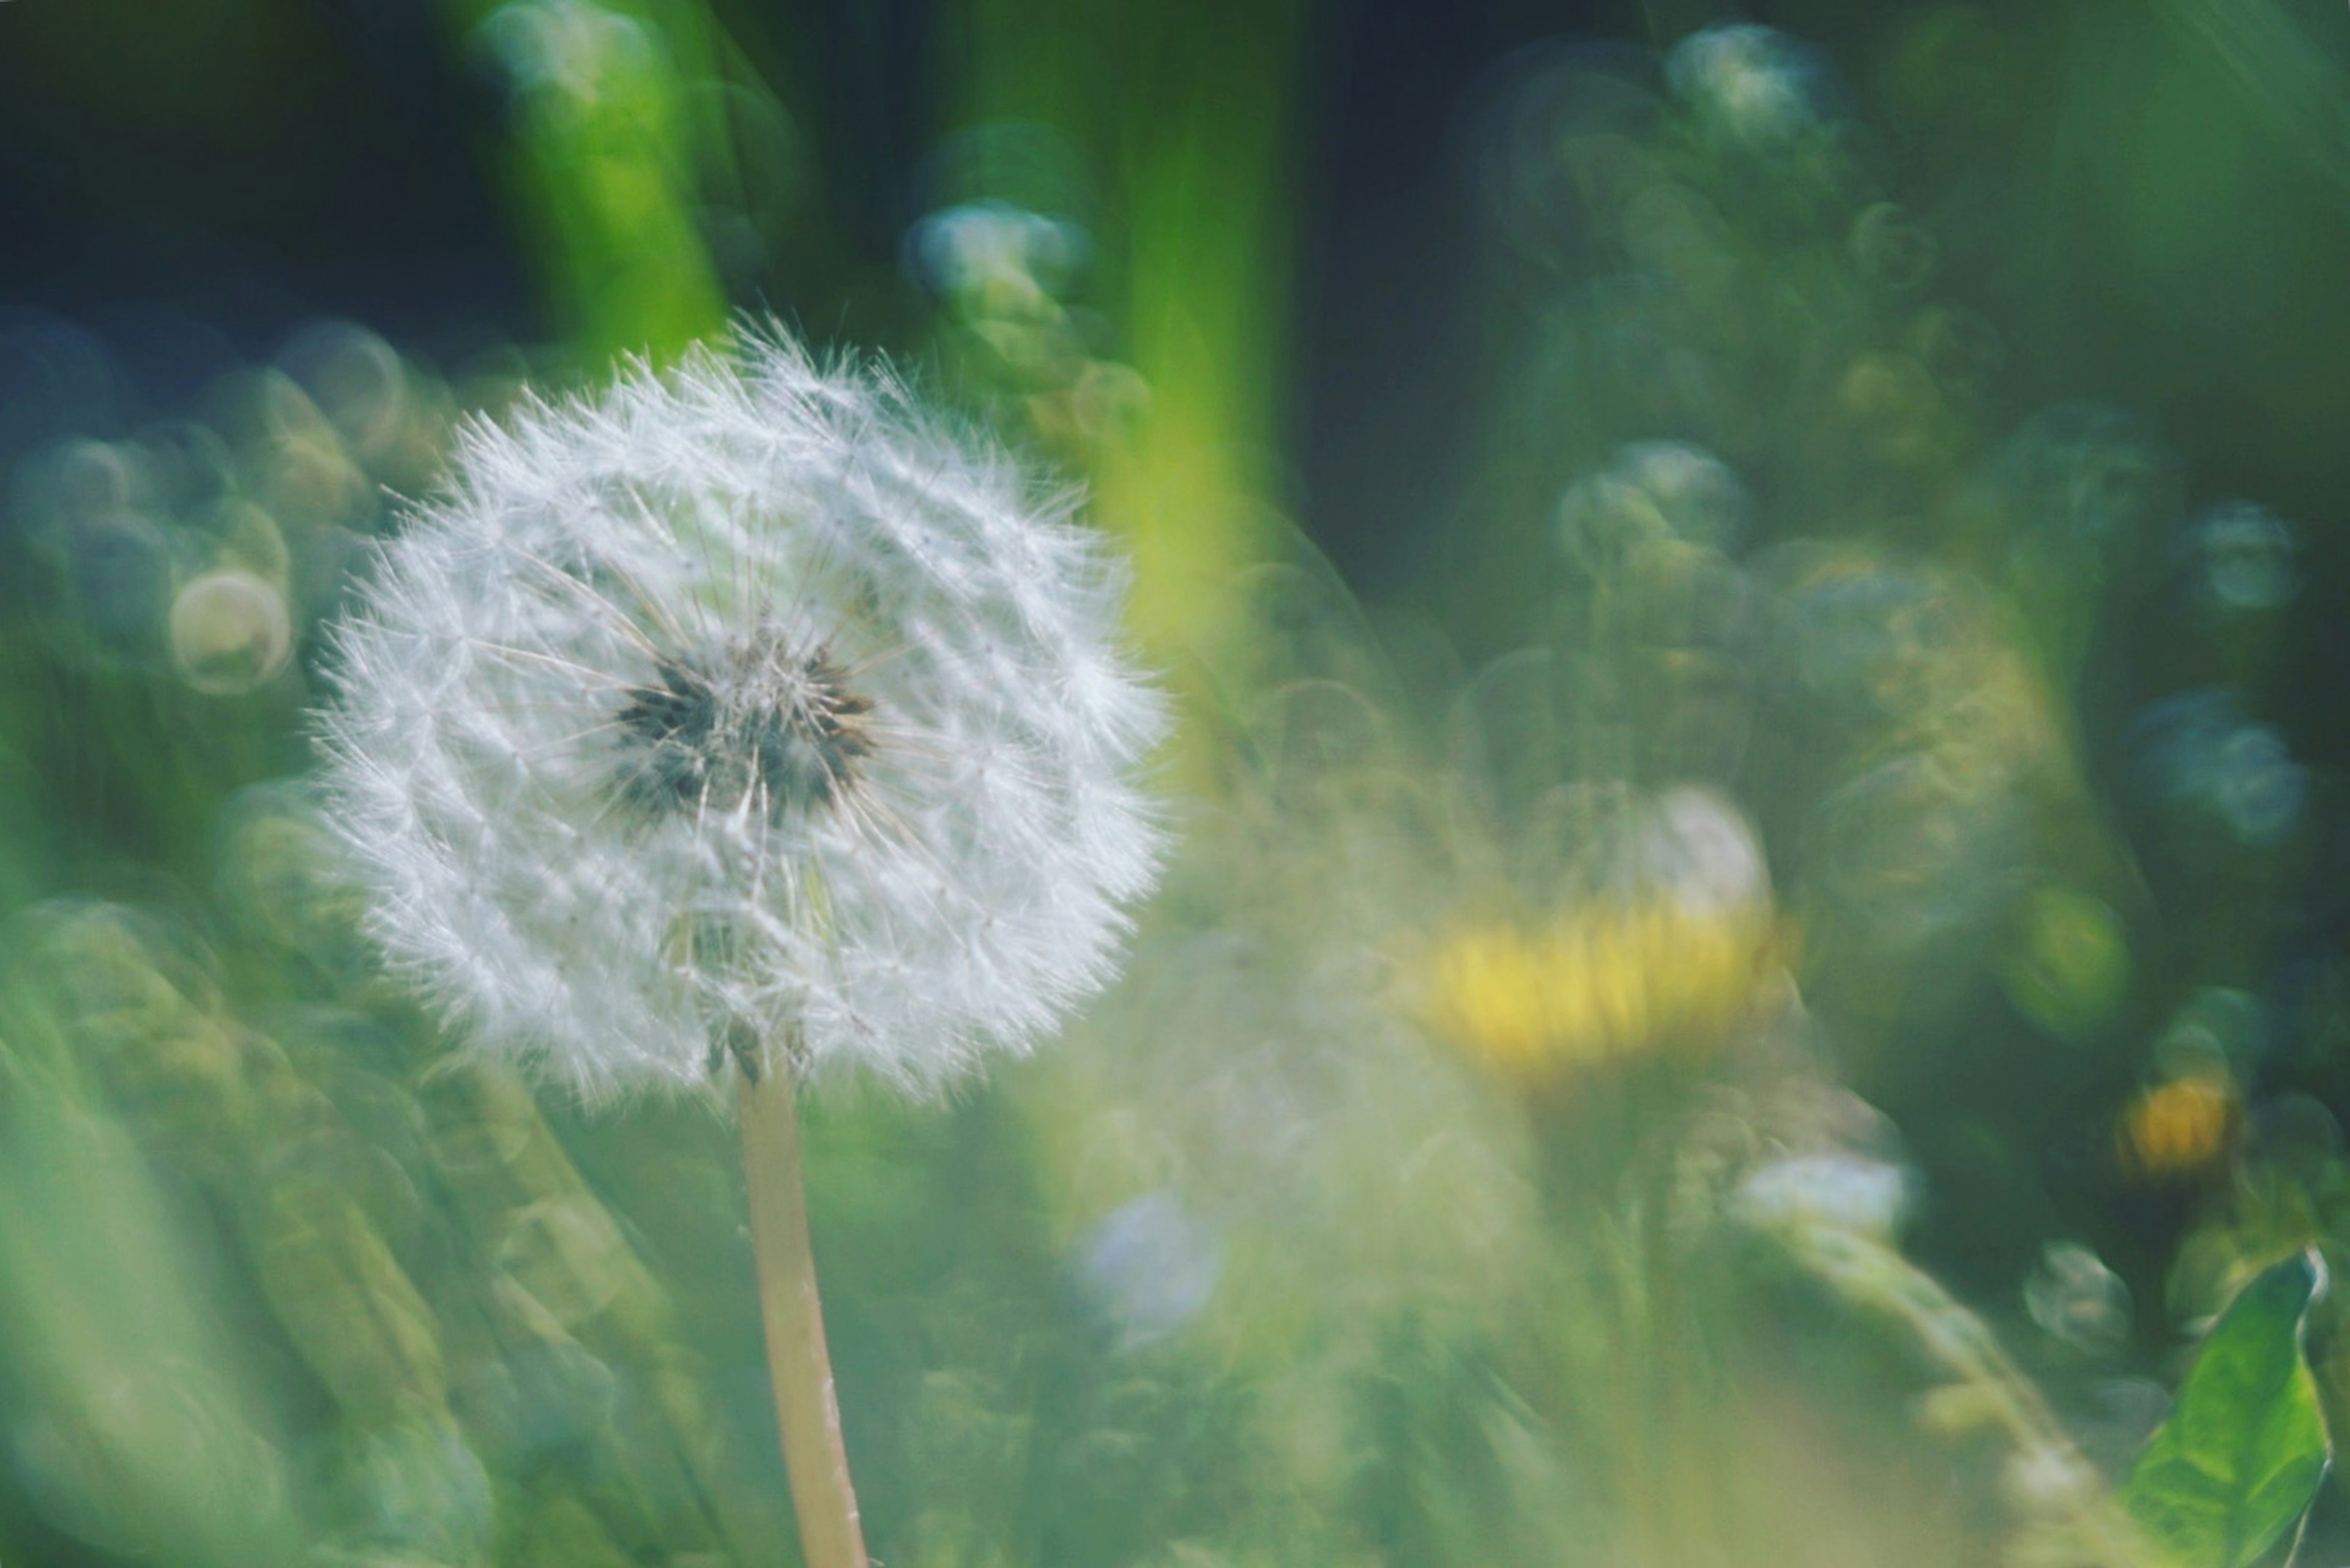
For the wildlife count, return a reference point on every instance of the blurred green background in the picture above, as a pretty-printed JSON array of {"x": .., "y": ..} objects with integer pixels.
[{"x": 1760, "y": 942}]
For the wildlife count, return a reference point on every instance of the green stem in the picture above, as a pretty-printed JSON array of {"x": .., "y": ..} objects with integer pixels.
[{"x": 797, "y": 1362}]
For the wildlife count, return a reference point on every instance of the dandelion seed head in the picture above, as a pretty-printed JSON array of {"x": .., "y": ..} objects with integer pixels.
[
  {"x": 744, "y": 701},
  {"x": 768, "y": 726}
]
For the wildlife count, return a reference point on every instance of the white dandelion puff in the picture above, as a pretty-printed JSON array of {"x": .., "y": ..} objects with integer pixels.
[
  {"x": 745, "y": 702},
  {"x": 744, "y": 715}
]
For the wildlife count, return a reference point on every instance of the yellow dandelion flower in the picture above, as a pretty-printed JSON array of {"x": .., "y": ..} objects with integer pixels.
[
  {"x": 2179, "y": 1129},
  {"x": 1669, "y": 963},
  {"x": 1591, "y": 986}
]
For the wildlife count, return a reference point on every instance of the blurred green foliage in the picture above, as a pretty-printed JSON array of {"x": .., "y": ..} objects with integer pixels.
[{"x": 1759, "y": 1008}]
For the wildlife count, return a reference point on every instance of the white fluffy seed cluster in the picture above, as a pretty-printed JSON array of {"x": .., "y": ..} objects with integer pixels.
[{"x": 744, "y": 705}]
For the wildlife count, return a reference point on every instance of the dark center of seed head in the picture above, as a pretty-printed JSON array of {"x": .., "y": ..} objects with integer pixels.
[{"x": 782, "y": 734}]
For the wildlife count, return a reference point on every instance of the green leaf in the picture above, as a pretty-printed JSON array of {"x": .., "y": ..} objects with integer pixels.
[{"x": 2241, "y": 1457}]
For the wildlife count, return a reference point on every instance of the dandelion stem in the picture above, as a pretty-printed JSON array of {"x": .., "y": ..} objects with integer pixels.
[{"x": 797, "y": 1362}]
